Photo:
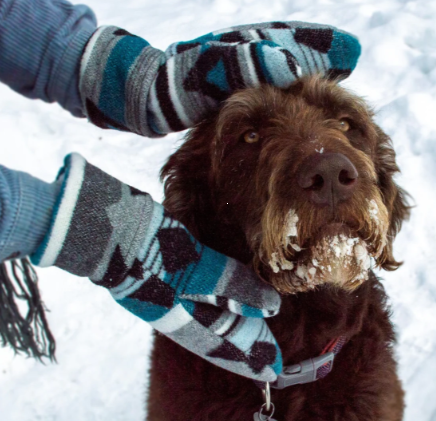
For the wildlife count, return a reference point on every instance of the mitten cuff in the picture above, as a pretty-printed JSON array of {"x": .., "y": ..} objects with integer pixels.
[
  {"x": 64, "y": 86},
  {"x": 117, "y": 71},
  {"x": 96, "y": 217}
]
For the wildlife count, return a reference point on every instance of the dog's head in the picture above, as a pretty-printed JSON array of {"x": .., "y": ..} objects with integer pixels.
[{"x": 304, "y": 175}]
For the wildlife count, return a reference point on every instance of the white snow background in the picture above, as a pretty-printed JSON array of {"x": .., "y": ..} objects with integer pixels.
[{"x": 102, "y": 350}]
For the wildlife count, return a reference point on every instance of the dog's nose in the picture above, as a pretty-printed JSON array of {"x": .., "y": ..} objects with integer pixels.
[{"x": 327, "y": 178}]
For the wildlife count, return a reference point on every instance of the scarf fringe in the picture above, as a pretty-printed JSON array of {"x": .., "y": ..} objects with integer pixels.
[{"x": 29, "y": 335}]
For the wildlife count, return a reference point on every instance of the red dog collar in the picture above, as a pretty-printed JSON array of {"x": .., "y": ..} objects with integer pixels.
[{"x": 309, "y": 370}]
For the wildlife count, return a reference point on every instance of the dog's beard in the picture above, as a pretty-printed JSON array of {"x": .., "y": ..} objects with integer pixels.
[
  {"x": 335, "y": 255},
  {"x": 338, "y": 260}
]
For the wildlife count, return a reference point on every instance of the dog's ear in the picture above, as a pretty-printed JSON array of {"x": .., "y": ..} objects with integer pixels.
[
  {"x": 187, "y": 175},
  {"x": 394, "y": 197}
]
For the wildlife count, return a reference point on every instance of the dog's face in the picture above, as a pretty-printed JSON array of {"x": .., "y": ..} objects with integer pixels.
[{"x": 305, "y": 174}]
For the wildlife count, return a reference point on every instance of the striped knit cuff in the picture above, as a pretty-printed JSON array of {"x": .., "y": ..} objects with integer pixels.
[
  {"x": 117, "y": 72},
  {"x": 73, "y": 175},
  {"x": 64, "y": 86},
  {"x": 96, "y": 217}
]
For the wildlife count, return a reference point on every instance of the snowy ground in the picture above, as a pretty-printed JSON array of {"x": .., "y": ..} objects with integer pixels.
[{"x": 102, "y": 350}]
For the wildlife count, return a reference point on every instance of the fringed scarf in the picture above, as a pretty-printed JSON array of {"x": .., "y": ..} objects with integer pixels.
[{"x": 23, "y": 324}]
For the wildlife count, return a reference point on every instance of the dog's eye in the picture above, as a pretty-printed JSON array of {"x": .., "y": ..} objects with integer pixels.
[
  {"x": 344, "y": 125},
  {"x": 251, "y": 137}
]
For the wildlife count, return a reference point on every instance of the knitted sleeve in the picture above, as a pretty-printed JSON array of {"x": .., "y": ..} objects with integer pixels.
[
  {"x": 41, "y": 44},
  {"x": 25, "y": 209}
]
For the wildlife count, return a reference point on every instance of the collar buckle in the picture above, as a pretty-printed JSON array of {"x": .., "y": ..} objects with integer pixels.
[{"x": 306, "y": 371}]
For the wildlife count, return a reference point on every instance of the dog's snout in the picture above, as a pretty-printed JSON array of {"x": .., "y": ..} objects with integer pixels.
[{"x": 327, "y": 178}]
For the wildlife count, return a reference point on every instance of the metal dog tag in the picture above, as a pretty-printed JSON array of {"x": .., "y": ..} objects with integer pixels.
[{"x": 260, "y": 417}]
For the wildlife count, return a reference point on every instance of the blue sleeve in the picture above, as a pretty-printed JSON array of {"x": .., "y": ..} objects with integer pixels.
[
  {"x": 26, "y": 205},
  {"x": 41, "y": 43}
]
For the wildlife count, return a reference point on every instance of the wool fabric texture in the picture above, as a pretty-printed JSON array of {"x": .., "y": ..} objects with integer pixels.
[
  {"x": 25, "y": 210},
  {"x": 41, "y": 44},
  {"x": 118, "y": 237},
  {"x": 127, "y": 84}
]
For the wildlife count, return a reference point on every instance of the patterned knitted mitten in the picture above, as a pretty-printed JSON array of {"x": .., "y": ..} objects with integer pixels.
[
  {"x": 127, "y": 84},
  {"x": 122, "y": 240}
]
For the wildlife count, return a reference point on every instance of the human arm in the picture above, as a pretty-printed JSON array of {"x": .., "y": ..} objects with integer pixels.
[
  {"x": 129, "y": 85},
  {"x": 135, "y": 116},
  {"x": 96, "y": 226}
]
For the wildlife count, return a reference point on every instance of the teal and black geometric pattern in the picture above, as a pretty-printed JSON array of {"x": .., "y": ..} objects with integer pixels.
[
  {"x": 208, "y": 303},
  {"x": 129, "y": 85}
]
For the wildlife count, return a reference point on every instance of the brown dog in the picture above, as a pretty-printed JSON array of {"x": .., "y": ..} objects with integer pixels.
[{"x": 299, "y": 184}]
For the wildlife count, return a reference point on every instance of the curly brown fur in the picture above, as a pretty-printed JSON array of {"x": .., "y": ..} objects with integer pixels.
[{"x": 236, "y": 197}]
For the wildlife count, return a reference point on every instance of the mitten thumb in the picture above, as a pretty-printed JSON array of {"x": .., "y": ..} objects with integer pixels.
[{"x": 243, "y": 294}]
